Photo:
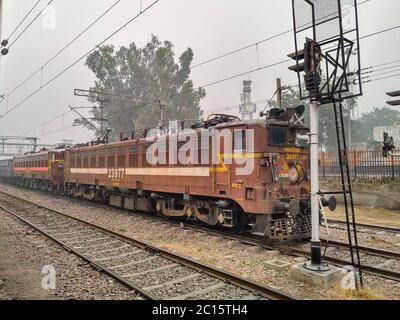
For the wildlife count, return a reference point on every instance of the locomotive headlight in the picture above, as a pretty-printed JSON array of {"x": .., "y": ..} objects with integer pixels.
[{"x": 294, "y": 175}]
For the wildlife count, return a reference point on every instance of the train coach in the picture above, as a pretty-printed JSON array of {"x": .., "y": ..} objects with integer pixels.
[
  {"x": 273, "y": 200},
  {"x": 43, "y": 170},
  {"x": 6, "y": 170}
]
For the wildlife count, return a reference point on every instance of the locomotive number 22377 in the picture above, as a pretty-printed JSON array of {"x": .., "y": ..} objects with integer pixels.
[{"x": 116, "y": 173}]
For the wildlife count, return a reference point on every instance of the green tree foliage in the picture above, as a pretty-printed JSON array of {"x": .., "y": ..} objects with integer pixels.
[
  {"x": 361, "y": 129},
  {"x": 150, "y": 73},
  {"x": 378, "y": 117},
  {"x": 327, "y": 129}
]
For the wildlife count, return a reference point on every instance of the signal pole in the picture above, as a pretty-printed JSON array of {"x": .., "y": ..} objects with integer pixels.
[
  {"x": 312, "y": 79},
  {"x": 315, "y": 206},
  {"x": 308, "y": 61}
]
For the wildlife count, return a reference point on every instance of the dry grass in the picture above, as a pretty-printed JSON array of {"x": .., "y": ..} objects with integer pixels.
[
  {"x": 362, "y": 294},
  {"x": 369, "y": 215}
]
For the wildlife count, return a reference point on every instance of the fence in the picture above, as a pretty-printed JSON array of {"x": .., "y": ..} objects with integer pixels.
[{"x": 364, "y": 164}]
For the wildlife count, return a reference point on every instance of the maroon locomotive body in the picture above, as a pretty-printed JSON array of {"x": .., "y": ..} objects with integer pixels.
[
  {"x": 271, "y": 196},
  {"x": 43, "y": 170}
]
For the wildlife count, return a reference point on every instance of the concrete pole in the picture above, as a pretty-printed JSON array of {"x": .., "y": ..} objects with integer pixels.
[{"x": 315, "y": 203}]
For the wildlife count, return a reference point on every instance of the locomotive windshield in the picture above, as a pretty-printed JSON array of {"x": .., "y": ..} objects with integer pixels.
[
  {"x": 284, "y": 136},
  {"x": 278, "y": 135}
]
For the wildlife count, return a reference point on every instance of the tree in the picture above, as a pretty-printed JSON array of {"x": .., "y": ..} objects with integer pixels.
[
  {"x": 378, "y": 117},
  {"x": 149, "y": 73},
  {"x": 327, "y": 128}
]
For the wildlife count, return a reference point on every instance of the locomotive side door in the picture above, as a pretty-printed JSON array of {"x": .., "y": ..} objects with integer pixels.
[
  {"x": 218, "y": 168},
  {"x": 231, "y": 144}
]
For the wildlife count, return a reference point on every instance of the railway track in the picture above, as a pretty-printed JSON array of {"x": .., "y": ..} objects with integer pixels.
[
  {"x": 155, "y": 273},
  {"x": 374, "y": 261},
  {"x": 379, "y": 269},
  {"x": 364, "y": 228}
]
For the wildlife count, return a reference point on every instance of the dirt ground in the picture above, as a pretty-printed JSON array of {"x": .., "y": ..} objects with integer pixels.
[
  {"x": 19, "y": 278},
  {"x": 23, "y": 254},
  {"x": 369, "y": 215}
]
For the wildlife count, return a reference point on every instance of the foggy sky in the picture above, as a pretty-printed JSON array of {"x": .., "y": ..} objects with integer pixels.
[{"x": 209, "y": 27}]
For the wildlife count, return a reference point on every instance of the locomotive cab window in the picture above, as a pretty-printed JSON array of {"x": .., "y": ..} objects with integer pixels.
[
  {"x": 278, "y": 136},
  {"x": 239, "y": 140}
]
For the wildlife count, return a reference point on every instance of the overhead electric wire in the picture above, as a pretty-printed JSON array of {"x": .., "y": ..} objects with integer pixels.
[
  {"x": 82, "y": 57},
  {"x": 379, "y": 74},
  {"x": 269, "y": 103},
  {"x": 388, "y": 77},
  {"x": 55, "y": 131},
  {"x": 54, "y": 119},
  {"x": 381, "y": 65},
  {"x": 27, "y": 27},
  {"x": 237, "y": 106},
  {"x": 64, "y": 48},
  {"x": 47, "y": 122},
  {"x": 22, "y": 21},
  {"x": 251, "y": 71},
  {"x": 251, "y": 45},
  {"x": 281, "y": 62},
  {"x": 379, "y": 32},
  {"x": 380, "y": 69},
  {"x": 207, "y": 61},
  {"x": 255, "y": 44}
]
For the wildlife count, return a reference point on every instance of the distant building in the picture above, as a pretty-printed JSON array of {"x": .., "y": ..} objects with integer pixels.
[{"x": 393, "y": 131}]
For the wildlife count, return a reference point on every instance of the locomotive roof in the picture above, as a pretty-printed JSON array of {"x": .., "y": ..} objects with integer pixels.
[
  {"x": 40, "y": 153},
  {"x": 261, "y": 123}
]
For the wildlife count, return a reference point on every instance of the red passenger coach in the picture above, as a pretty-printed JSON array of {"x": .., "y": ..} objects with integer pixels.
[{"x": 43, "y": 170}]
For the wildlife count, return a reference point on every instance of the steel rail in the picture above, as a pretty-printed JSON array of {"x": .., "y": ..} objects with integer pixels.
[
  {"x": 241, "y": 282},
  {"x": 373, "y": 251},
  {"x": 93, "y": 263},
  {"x": 368, "y": 226},
  {"x": 250, "y": 240},
  {"x": 375, "y": 271}
]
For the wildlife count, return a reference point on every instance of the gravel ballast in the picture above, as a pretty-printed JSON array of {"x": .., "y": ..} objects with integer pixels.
[{"x": 232, "y": 256}]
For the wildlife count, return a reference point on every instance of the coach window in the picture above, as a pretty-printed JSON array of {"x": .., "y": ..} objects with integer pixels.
[
  {"x": 93, "y": 158},
  {"x": 121, "y": 157},
  {"x": 79, "y": 160},
  {"x": 111, "y": 158},
  {"x": 86, "y": 160},
  {"x": 239, "y": 141},
  {"x": 133, "y": 156},
  {"x": 102, "y": 159}
]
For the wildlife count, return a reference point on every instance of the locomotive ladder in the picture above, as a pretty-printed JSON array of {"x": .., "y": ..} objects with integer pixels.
[{"x": 347, "y": 191}]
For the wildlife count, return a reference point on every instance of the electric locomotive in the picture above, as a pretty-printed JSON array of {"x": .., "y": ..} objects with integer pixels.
[{"x": 272, "y": 198}]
